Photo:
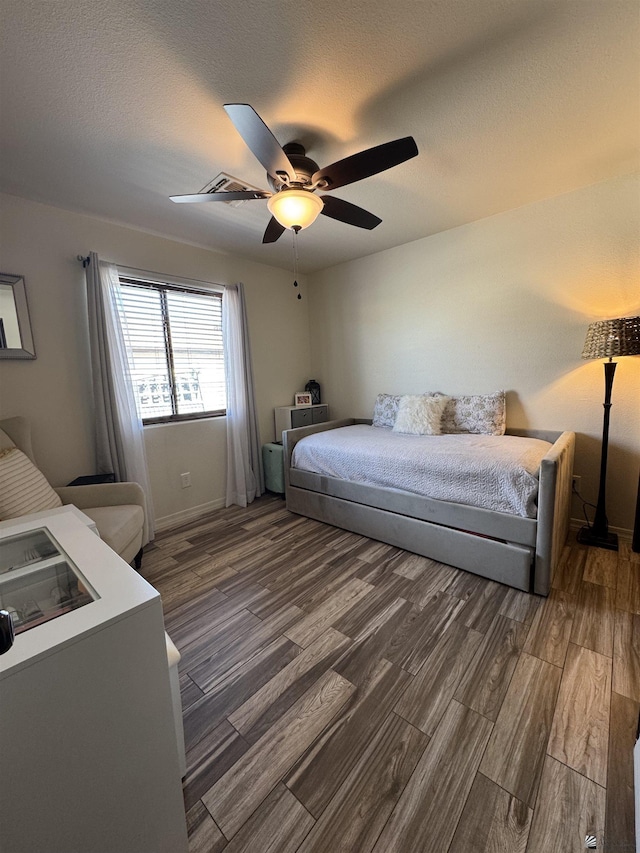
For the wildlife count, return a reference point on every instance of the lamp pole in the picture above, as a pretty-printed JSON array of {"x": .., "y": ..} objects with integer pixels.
[
  {"x": 635, "y": 544},
  {"x": 598, "y": 534}
]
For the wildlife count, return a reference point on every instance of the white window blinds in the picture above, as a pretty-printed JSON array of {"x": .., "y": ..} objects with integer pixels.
[{"x": 175, "y": 338}]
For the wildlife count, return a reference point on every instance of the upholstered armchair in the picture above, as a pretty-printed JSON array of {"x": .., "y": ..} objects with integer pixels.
[{"x": 118, "y": 509}]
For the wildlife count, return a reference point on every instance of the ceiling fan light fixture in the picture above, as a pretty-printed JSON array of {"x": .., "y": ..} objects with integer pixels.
[
  {"x": 294, "y": 178},
  {"x": 294, "y": 208}
]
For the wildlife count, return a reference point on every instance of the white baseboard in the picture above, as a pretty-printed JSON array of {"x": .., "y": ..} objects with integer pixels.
[
  {"x": 576, "y": 523},
  {"x": 177, "y": 518}
]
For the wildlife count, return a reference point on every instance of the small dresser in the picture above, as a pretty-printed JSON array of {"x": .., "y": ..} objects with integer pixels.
[{"x": 290, "y": 417}]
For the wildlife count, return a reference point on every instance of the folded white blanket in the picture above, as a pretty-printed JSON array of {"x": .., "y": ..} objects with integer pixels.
[{"x": 497, "y": 472}]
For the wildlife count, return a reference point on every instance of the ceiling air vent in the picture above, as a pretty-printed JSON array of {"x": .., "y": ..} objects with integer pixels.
[{"x": 227, "y": 183}]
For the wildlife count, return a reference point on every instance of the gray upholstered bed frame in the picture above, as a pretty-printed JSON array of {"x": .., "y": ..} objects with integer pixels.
[{"x": 520, "y": 552}]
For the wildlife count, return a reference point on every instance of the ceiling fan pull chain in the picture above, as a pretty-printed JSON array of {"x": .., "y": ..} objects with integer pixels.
[{"x": 295, "y": 260}]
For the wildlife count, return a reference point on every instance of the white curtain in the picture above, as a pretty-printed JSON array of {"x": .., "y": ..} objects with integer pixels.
[
  {"x": 245, "y": 480},
  {"x": 119, "y": 434}
]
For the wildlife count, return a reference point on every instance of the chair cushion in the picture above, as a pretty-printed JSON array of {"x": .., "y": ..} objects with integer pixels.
[
  {"x": 6, "y": 441},
  {"x": 23, "y": 489},
  {"x": 173, "y": 655},
  {"x": 117, "y": 525}
]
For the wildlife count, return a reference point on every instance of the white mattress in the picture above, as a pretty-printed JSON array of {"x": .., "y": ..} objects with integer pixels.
[{"x": 493, "y": 472}]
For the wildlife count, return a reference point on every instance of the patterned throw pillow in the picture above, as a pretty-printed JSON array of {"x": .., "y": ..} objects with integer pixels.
[
  {"x": 23, "y": 489},
  {"x": 420, "y": 415},
  {"x": 484, "y": 414},
  {"x": 385, "y": 410}
]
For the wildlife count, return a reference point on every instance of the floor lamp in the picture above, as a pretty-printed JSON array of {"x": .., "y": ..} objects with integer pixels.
[{"x": 607, "y": 339}]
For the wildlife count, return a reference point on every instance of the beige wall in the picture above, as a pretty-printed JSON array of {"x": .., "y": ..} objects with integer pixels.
[
  {"x": 54, "y": 391},
  {"x": 501, "y": 303}
]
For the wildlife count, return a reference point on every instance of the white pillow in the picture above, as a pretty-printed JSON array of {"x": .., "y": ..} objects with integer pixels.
[
  {"x": 23, "y": 489},
  {"x": 483, "y": 414},
  {"x": 420, "y": 415}
]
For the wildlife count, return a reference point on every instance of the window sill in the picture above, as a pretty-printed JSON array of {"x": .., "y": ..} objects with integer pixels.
[{"x": 176, "y": 421}]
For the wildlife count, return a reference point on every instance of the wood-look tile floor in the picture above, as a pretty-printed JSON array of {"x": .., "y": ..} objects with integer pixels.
[{"x": 343, "y": 696}]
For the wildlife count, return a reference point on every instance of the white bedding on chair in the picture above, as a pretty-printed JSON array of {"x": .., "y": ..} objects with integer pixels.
[{"x": 496, "y": 472}]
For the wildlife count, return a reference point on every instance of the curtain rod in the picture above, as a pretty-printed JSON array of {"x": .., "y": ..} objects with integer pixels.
[{"x": 85, "y": 260}]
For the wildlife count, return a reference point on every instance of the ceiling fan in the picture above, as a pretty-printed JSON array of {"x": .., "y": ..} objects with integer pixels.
[{"x": 294, "y": 177}]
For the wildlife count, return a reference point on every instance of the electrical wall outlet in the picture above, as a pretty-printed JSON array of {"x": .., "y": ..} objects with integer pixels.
[
  {"x": 185, "y": 479},
  {"x": 576, "y": 482}
]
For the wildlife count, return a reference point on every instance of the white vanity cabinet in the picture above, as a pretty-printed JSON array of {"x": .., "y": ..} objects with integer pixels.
[{"x": 87, "y": 735}]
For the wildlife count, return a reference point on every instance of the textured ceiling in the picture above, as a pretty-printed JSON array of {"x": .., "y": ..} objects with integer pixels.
[{"x": 110, "y": 106}]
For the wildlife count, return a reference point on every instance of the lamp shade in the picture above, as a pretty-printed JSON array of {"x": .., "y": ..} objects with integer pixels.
[
  {"x": 295, "y": 208},
  {"x": 612, "y": 338}
]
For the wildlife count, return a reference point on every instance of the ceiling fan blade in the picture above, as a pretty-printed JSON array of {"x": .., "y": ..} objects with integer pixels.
[
  {"x": 367, "y": 163},
  {"x": 232, "y": 196},
  {"x": 274, "y": 231},
  {"x": 257, "y": 136},
  {"x": 344, "y": 211}
]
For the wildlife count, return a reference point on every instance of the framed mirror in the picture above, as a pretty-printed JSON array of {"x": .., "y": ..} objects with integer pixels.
[{"x": 16, "y": 340}]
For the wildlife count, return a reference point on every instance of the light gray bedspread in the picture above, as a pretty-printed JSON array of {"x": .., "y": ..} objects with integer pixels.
[{"x": 493, "y": 472}]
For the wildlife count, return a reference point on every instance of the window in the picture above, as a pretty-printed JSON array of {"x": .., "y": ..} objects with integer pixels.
[{"x": 175, "y": 335}]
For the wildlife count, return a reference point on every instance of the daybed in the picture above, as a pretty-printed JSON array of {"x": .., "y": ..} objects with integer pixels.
[{"x": 519, "y": 551}]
